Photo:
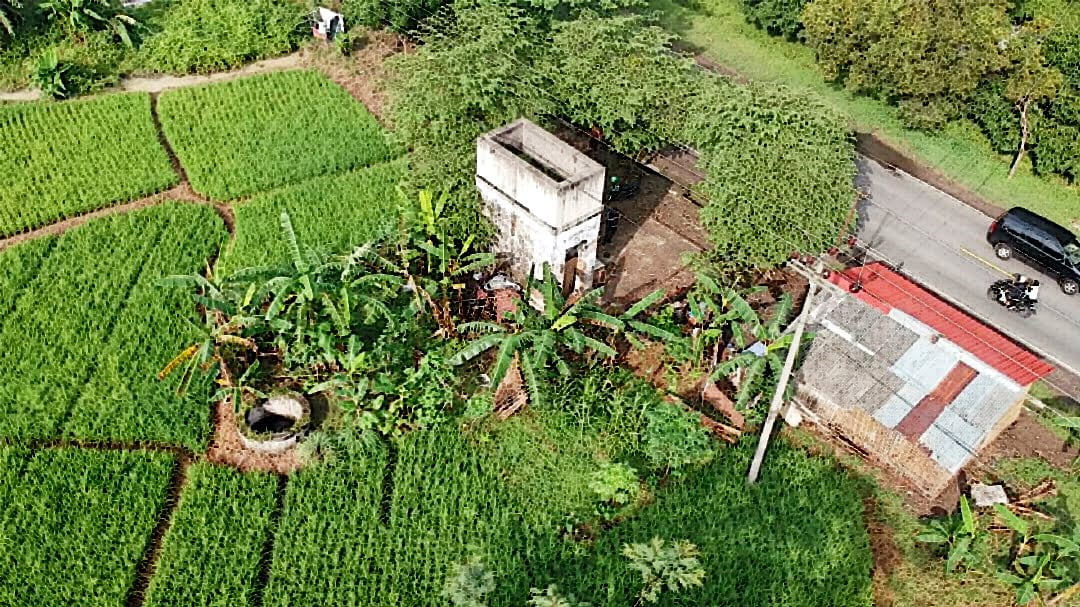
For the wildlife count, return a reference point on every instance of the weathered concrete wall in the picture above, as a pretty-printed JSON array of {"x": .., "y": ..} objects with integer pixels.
[{"x": 540, "y": 213}]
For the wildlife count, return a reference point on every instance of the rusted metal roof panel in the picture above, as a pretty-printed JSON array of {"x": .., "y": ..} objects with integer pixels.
[{"x": 886, "y": 289}]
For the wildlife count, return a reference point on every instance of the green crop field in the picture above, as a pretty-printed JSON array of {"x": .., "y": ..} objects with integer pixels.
[
  {"x": 795, "y": 539},
  {"x": 332, "y": 214},
  {"x": 211, "y": 552},
  {"x": 75, "y": 523},
  {"x": 109, "y": 329},
  {"x": 249, "y": 135},
  {"x": 18, "y": 267},
  {"x": 64, "y": 159}
]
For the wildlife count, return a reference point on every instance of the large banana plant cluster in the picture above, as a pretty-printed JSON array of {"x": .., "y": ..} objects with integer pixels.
[
  {"x": 564, "y": 328},
  {"x": 304, "y": 309},
  {"x": 79, "y": 16},
  {"x": 727, "y": 317}
]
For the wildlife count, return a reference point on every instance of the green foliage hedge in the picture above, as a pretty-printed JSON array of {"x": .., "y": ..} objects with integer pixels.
[
  {"x": 202, "y": 36},
  {"x": 64, "y": 159},
  {"x": 108, "y": 328},
  {"x": 249, "y": 135},
  {"x": 333, "y": 214},
  {"x": 76, "y": 523},
  {"x": 211, "y": 553}
]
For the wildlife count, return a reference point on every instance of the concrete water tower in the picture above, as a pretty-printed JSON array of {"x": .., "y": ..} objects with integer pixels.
[{"x": 545, "y": 199}]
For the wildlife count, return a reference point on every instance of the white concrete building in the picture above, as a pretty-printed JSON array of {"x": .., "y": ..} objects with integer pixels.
[{"x": 545, "y": 199}]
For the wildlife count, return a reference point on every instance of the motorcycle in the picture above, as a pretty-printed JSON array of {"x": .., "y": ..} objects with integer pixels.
[{"x": 1005, "y": 293}]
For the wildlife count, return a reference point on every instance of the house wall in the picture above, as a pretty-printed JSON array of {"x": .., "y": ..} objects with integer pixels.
[{"x": 887, "y": 447}]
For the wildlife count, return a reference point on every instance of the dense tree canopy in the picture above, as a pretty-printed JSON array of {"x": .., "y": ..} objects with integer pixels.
[
  {"x": 928, "y": 55},
  {"x": 778, "y": 17},
  {"x": 778, "y": 167}
]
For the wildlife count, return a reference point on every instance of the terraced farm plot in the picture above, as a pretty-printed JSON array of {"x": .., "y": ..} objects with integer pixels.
[
  {"x": 211, "y": 552},
  {"x": 249, "y": 135},
  {"x": 64, "y": 159},
  {"x": 76, "y": 523},
  {"x": 331, "y": 214},
  {"x": 394, "y": 548},
  {"x": 80, "y": 347},
  {"x": 18, "y": 265}
]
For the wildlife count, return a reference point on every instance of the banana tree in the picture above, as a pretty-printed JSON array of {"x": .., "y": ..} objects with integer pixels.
[
  {"x": 9, "y": 14},
  {"x": 545, "y": 338},
  {"x": 956, "y": 533},
  {"x": 88, "y": 15},
  {"x": 762, "y": 347}
]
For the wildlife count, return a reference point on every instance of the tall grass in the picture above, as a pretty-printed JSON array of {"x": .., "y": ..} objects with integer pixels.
[
  {"x": 76, "y": 522},
  {"x": 80, "y": 347},
  {"x": 244, "y": 136},
  {"x": 64, "y": 159},
  {"x": 210, "y": 555},
  {"x": 123, "y": 400},
  {"x": 332, "y": 213}
]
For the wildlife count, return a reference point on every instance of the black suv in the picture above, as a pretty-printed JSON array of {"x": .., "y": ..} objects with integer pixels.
[{"x": 1047, "y": 245}]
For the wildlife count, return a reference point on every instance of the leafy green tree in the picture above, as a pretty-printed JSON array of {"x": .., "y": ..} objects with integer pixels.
[
  {"x": 778, "y": 17},
  {"x": 616, "y": 74},
  {"x": 538, "y": 339},
  {"x": 926, "y": 55},
  {"x": 779, "y": 170},
  {"x": 401, "y": 17},
  {"x": 472, "y": 74},
  {"x": 468, "y": 583},
  {"x": 1030, "y": 80},
  {"x": 664, "y": 565}
]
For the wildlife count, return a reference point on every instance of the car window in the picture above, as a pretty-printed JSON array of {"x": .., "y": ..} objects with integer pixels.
[
  {"x": 1072, "y": 251},
  {"x": 1049, "y": 244}
]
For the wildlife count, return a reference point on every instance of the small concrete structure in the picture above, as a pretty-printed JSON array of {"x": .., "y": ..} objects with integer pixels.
[
  {"x": 545, "y": 199},
  {"x": 327, "y": 24},
  {"x": 985, "y": 496}
]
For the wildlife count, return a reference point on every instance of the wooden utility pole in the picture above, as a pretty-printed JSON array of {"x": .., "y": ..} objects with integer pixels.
[{"x": 781, "y": 386}]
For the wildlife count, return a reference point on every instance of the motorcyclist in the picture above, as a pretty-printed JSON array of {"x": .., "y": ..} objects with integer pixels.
[
  {"x": 1032, "y": 293},
  {"x": 1016, "y": 292}
]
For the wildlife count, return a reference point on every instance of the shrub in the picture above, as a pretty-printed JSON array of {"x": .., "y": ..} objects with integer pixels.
[
  {"x": 674, "y": 438},
  {"x": 244, "y": 136},
  {"x": 615, "y": 484},
  {"x": 202, "y": 36},
  {"x": 778, "y": 17}
]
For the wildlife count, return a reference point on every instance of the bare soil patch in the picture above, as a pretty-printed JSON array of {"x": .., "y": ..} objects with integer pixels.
[
  {"x": 363, "y": 73},
  {"x": 227, "y": 449},
  {"x": 1027, "y": 437}
]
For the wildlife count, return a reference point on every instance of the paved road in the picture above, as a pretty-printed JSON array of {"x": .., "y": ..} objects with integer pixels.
[{"x": 942, "y": 244}]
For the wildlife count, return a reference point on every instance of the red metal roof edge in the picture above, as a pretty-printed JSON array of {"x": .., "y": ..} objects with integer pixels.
[{"x": 885, "y": 289}]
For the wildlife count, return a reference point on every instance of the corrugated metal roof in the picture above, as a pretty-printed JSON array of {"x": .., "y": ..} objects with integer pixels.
[
  {"x": 886, "y": 289},
  {"x": 947, "y": 452}
]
